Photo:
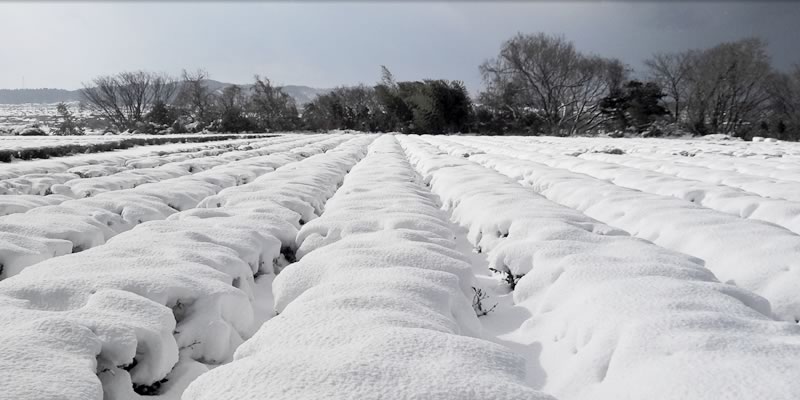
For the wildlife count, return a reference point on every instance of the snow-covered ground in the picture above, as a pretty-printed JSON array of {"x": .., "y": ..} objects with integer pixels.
[{"x": 355, "y": 266}]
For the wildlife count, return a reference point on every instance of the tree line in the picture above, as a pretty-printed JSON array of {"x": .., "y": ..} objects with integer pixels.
[{"x": 537, "y": 84}]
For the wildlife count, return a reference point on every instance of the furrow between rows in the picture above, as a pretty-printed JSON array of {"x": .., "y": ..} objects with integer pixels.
[
  {"x": 754, "y": 255},
  {"x": 158, "y": 305},
  {"x": 603, "y": 315},
  {"x": 76, "y": 225},
  {"x": 377, "y": 307}
]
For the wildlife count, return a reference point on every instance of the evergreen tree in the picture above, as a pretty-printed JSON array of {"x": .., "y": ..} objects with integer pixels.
[{"x": 68, "y": 125}]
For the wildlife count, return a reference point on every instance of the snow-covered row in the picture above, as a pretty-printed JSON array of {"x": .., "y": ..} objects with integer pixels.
[
  {"x": 146, "y": 155},
  {"x": 150, "y": 310},
  {"x": 606, "y": 316},
  {"x": 11, "y": 151},
  {"x": 131, "y": 178},
  {"x": 760, "y": 185},
  {"x": 375, "y": 309},
  {"x": 37, "y": 177},
  {"x": 80, "y": 224},
  {"x": 702, "y": 148},
  {"x": 755, "y": 255},
  {"x": 778, "y": 166},
  {"x": 714, "y": 196},
  {"x": 779, "y": 162},
  {"x": 769, "y": 179},
  {"x": 772, "y": 180}
]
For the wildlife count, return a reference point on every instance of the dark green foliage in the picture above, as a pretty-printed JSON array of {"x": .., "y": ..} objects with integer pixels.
[
  {"x": 345, "y": 108},
  {"x": 430, "y": 106},
  {"x": 235, "y": 121},
  {"x": 634, "y": 105},
  {"x": 437, "y": 106},
  {"x": 162, "y": 114}
]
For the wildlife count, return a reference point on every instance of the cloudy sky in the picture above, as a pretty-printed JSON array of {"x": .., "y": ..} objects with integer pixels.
[{"x": 326, "y": 44}]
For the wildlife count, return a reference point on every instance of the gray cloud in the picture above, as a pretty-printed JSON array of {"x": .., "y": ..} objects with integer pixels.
[{"x": 327, "y": 44}]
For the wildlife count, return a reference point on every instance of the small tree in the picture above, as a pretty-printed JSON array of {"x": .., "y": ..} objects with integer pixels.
[
  {"x": 68, "y": 125},
  {"x": 161, "y": 114}
]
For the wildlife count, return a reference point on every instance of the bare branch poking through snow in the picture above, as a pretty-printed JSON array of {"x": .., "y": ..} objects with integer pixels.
[{"x": 477, "y": 302}]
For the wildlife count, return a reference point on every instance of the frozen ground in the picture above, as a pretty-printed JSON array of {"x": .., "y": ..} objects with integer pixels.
[{"x": 346, "y": 266}]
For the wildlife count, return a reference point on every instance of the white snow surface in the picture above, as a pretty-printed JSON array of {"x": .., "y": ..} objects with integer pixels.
[
  {"x": 375, "y": 309},
  {"x": 345, "y": 266},
  {"x": 89, "y": 222},
  {"x": 605, "y": 316},
  {"x": 757, "y": 256},
  {"x": 160, "y": 301}
]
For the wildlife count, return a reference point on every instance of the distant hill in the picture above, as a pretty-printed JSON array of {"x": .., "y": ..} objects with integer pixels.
[
  {"x": 301, "y": 94},
  {"x": 22, "y": 96}
]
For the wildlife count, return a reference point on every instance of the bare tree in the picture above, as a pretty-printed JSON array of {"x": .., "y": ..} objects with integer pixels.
[
  {"x": 195, "y": 97},
  {"x": 124, "y": 98},
  {"x": 595, "y": 78},
  {"x": 273, "y": 108},
  {"x": 729, "y": 86},
  {"x": 548, "y": 75},
  {"x": 671, "y": 72},
  {"x": 784, "y": 103}
]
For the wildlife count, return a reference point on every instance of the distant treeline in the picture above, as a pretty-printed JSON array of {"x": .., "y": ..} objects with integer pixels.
[
  {"x": 22, "y": 96},
  {"x": 537, "y": 84}
]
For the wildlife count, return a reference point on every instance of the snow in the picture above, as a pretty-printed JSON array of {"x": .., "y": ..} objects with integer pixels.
[
  {"x": 347, "y": 265},
  {"x": 723, "y": 241},
  {"x": 710, "y": 195},
  {"x": 106, "y": 174},
  {"x": 167, "y": 299},
  {"x": 90, "y": 222},
  {"x": 406, "y": 331},
  {"x": 604, "y": 315}
]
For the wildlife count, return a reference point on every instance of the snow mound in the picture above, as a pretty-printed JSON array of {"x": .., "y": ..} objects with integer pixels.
[
  {"x": 90, "y": 222},
  {"x": 149, "y": 310},
  {"x": 610, "y": 316},
  {"x": 346, "y": 332},
  {"x": 723, "y": 241}
]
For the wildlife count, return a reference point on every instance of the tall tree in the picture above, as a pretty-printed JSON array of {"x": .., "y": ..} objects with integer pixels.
[
  {"x": 547, "y": 74},
  {"x": 728, "y": 90},
  {"x": 196, "y": 98},
  {"x": 671, "y": 72},
  {"x": 783, "y": 111}
]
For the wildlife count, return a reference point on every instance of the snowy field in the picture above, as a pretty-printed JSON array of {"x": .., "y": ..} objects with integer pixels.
[
  {"x": 25, "y": 148},
  {"x": 355, "y": 266}
]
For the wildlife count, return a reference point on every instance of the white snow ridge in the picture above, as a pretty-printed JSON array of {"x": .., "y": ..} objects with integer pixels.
[{"x": 361, "y": 266}]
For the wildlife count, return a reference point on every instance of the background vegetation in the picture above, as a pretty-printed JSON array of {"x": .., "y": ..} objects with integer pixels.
[{"x": 537, "y": 84}]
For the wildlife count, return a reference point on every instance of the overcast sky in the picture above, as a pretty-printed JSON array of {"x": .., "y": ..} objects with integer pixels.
[{"x": 326, "y": 44}]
